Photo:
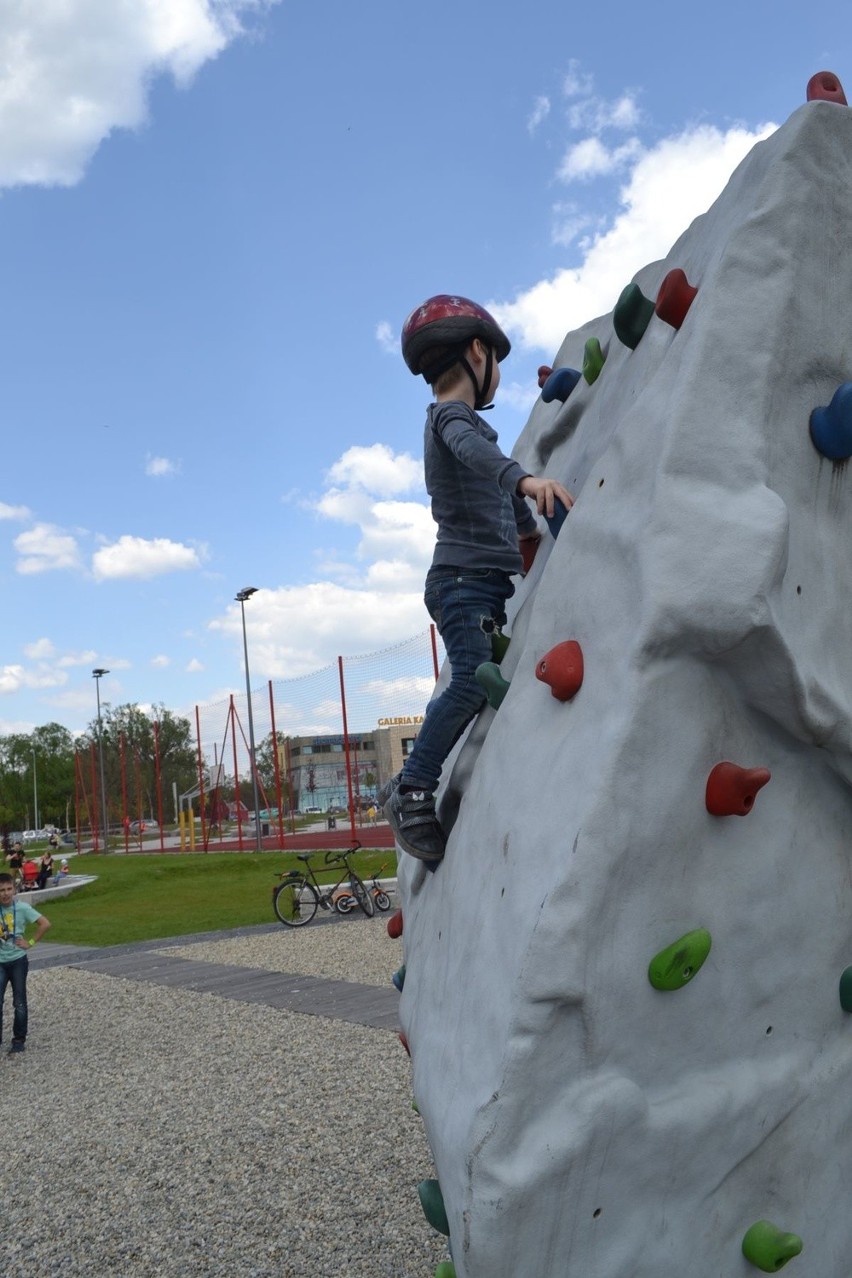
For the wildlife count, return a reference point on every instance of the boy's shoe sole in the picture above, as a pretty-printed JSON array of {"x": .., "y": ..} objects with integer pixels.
[{"x": 429, "y": 858}]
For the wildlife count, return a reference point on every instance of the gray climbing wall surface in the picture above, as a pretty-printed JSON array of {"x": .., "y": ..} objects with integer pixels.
[{"x": 628, "y": 1042}]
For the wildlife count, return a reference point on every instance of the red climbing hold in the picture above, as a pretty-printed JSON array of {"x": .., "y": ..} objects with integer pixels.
[
  {"x": 825, "y": 87},
  {"x": 543, "y": 373},
  {"x": 731, "y": 790},
  {"x": 528, "y": 548},
  {"x": 404, "y": 1041},
  {"x": 395, "y": 926},
  {"x": 675, "y": 297},
  {"x": 562, "y": 669}
]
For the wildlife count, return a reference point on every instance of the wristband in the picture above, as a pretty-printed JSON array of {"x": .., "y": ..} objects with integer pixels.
[{"x": 32, "y": 943}]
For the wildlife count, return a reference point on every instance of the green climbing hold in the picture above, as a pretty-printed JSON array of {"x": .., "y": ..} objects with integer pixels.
[
  {"x": 489, "y": 677},
  {"x": 432, "y": 1202},
  {"x": 415, "y": 1107},
  {"x": 446, "y": 1269},
  {"x": 499, "y": 645},
  {"x": 632, "y": 315},
  {"x": 846, "y": 990},
  {"x": 769, "y": 1248},
  {"x": 676, "y": 965},
  {"x": 593, "y": 360}
]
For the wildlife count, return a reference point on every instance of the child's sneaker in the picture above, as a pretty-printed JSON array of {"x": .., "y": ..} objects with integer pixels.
[
  {"x": 17, "y": 1046},
  {"x": 415, "y": 825},
  {"x": 387, "y": 790}
]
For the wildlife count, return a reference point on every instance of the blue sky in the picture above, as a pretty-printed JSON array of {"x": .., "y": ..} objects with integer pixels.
[{"x": 214, "y": 218}]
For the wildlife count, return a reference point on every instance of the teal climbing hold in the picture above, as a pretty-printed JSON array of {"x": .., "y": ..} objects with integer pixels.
[
  {"x": 446, "y": 1269},
  {"x": 831, "y": 427},
  {"x": 398, "y": 978},
  {"x": 846, "y": 990},
  {"x": 415, "y": 1107},
  {"x": 593, "y": 360},
  {"x": 499, "y": 645},
  {"x": 769, "y": 1248},
  {"x": 678, "y": 963},
  {"x": 632, "y": 315},
  {"x": 488, "y": 676},
  {"x": 559, "y": 385},
  {"x": 432, "y": 1202}
]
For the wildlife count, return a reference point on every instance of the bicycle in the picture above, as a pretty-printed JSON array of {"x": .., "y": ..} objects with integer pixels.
[
  {"x": 344, "y": 902},
  {"x": 299, "y": 895}
]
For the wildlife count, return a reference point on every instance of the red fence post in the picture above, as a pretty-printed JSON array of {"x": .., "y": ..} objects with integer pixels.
[
  {"x": 346, "y": 749},
  {"x": 200, "y": 779},
  {"x": 277, "y": 763},
  {"x": 95, "y": 842},
  {"x": 233, "y": 715},
  {"x": 159, "y": 783},
  {"x": 125, "y": 822},
  {"x": 434, "y": 650}
]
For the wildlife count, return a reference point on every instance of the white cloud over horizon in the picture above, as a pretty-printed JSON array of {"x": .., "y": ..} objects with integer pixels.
[
  {"x": 46, "y": 548},
  {"x": 144, "y": 557},
  {"x": 161, "y": 467},
  {"x": 75, "y": 70}
]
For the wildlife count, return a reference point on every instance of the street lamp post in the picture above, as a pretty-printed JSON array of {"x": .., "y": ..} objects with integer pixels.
[
  {"x": 36, "y": 825},
  {"x": 241, "y": 597},
  {"x": 97, "y": 675}
]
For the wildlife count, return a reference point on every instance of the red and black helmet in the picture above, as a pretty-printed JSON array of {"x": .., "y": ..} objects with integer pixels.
[{"x": 444, "y": 325}]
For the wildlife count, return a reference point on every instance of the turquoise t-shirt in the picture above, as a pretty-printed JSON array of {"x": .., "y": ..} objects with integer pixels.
[{"x": 13, "y": 920}]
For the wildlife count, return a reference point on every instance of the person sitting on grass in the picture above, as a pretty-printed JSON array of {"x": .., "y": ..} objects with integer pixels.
[
  {"x": 45, "y": 868},
  {"x": 15, "y": 916}
]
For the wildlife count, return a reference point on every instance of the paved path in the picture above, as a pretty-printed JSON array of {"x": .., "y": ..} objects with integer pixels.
[{"x": 311, "y": 995}]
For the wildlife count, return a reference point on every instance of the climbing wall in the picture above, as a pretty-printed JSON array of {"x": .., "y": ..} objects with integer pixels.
[{"x": 626, "y": 994}]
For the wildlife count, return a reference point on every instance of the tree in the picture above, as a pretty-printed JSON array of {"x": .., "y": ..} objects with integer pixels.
[
  {"x": 265, "y": 757},
  {"x": 51, "y": 773},
  {"x": 178, "y": 764}
]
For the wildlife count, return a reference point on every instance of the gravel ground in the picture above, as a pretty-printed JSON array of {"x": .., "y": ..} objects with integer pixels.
[
  {"x": 155, "y": 1131},
  {"x": 346, "y": 949}
]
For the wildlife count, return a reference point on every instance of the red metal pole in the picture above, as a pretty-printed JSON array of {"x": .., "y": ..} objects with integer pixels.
[
  {"x": 233, "y": 715},
  {"x": 278, "y": 799},
  {"x": 159, "y": 783},
  {"x": 125, "y": 821},
  {"x": 95, "y": 842},
  {"x": 290, "y": 787},
  {"x": 200, "y": 780},
  {"x": 346, "y": 748},
  {"x": 434, "y": 650}
]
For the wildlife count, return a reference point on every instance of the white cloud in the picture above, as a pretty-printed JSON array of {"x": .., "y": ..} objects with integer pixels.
[
  {"x": 141, "y": 557},
  {"x": 540, "y": 112},
  {"x": 160, "y": 467},
  {"x": 668, "y": 187},
  {"x": 576, "y": 81},
  {"x": 161, "y": 660},
  {"x": 74, "y": 70},
  {"x": 41, "y": 650},
  {"x": 193, "y": 666},
  {"x": 45, "y": 548},
  {"x": 597, "y": 114},
  {"x": 376, "y": 469},
  {"x": 591, "y": 158},
  {"x": 387, "y": 338},
  {"x": 14, "y": 512},
  {"x": 15, "y": 677}
]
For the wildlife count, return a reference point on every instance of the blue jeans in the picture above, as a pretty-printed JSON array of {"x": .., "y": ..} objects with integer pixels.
[
  {"x": 15, "y": 974},
  {"x": 465, "y": 605}
]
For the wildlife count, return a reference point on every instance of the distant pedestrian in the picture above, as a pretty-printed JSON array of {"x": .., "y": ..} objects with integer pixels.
[
  {"x": 45, "y": 869},
  {"x": 371, "y": 814},
  {"x": 15, "y": 916}
]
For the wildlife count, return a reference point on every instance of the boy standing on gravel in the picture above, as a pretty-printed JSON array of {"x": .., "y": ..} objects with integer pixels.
[
  {"x": 478, "y": 504},
  {"x": 15, "y": 915}
]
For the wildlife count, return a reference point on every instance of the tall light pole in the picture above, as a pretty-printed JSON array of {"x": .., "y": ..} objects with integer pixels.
[
  {"x": 241, "y": 597},
  {"x": 36, "y": 825},
  {"x": 97, "y": 675}
]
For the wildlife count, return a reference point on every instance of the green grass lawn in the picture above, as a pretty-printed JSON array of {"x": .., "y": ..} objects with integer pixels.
[{"x": 142, "y": 898}]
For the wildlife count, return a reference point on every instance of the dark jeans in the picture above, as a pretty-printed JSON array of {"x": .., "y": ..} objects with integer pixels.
[
  {"x": 15, "y": 974},
  {"x": 465, "y": 606}
]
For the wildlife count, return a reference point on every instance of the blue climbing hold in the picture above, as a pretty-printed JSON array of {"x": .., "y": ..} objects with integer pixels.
[
  {"x": 557, "y": 519},
  {"x": 831, "y": 427},
  {"x": 398, "y": 978},
  {"x": 560, "y": 384}
]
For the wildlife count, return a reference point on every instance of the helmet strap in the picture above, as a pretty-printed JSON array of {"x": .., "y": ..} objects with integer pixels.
[{"x": 480, "y": 392}]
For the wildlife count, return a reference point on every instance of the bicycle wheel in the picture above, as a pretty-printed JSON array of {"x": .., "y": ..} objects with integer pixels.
[
  {"x": 344, "y": 903},
  {"x": 296, "y": 902},
  {"x": 362, "y": 896},
  {"x": 382, "y": 900}
]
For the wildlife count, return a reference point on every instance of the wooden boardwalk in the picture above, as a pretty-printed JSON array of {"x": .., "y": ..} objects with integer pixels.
[{"x": 309, "y": 995}]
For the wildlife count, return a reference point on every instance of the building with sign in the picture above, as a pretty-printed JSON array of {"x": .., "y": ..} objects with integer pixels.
[{"x": 320, "y": 767}]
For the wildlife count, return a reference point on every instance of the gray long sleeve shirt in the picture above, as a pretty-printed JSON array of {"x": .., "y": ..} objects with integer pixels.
[{"x": 473, "y": 487}]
